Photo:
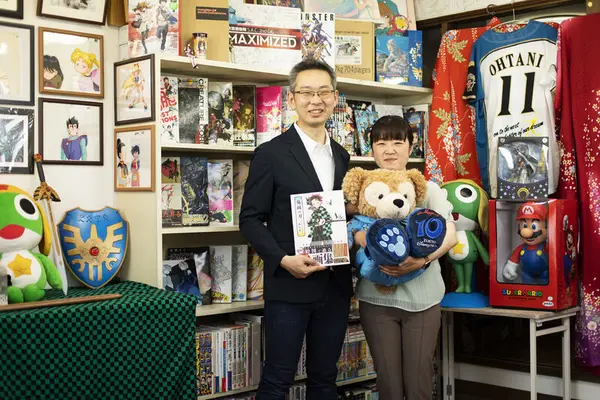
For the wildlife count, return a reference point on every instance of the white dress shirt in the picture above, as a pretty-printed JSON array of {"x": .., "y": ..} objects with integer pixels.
[{"x": 321, "y": 156}]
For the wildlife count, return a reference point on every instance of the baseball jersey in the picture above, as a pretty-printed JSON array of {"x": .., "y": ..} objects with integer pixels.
[{"x": 510, "y": 82}]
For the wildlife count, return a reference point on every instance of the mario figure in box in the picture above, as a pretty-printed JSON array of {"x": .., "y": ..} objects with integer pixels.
[{"x": 532, "y": 255}]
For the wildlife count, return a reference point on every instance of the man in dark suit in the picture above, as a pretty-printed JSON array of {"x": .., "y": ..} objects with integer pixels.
[{"x": 302, "y": 298}]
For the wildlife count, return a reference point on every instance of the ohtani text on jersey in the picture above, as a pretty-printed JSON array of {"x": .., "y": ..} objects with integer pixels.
[{"x": 516, "y": 60}]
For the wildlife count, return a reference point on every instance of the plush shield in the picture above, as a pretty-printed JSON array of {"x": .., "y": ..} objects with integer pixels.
[{"x": 94, "y": 244}]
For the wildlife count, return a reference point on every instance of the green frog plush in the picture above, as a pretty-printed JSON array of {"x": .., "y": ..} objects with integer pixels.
[
  {"x": 470, "y": 213},
  {"x": 23, "y": 226}
]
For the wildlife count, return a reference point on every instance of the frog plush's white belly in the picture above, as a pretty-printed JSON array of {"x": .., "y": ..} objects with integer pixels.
[
  {"x": 22, "y": 266},
  {"x": 461, "y": 250}
]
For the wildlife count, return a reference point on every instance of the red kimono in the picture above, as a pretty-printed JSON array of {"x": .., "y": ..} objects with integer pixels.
[{"x": 577, "y": 104}]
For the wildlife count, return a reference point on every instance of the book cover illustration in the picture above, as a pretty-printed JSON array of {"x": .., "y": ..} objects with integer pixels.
[
  {"x": 220, "y": 127},
  {"x": 395, "y": 18},
  {"x": 170, "y": 169},
  {"x": 264, "y": 36},
  {"x": 153, "y": 27},
  {"x": 193, "y": 110},
  {"x": 194, "y": 191},
  {"x": 416, "y": 120},
  {"x": 365, "y": 119},
  {"x": 220, "y": 271},
  {"x": 241, "y": 168},
  {"x": 341, "y": 126},
  {"x": 239, "y": 273},
  {"x": 392, "y": 60},
  {"x": 200, "y": 257},
  {"x": 256, "y": 268},
  {"x": 319, "y": 221},
  {"x": 289, "y": 116},
  {"x": 318, "y": 33},
  {"x": 169, "y": 109},
  {"x": 268, "y": 113},
  {"x": 346, "y": 9},
  {"x": 181, "y": 276},
  {"x": 244, "y": 115},
  {"x": 220, "y": 188}
]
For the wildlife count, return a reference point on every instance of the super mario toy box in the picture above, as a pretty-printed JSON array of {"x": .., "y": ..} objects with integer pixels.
[{"x": 533, "y": 254}]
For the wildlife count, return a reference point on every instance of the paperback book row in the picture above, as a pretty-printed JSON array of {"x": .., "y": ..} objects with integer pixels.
[
  {"x": 365, "y": 391},
  {"x": 202, "y": 111},
  {"x": 216, "y": 274},
  {"x": 229, "y": 355},
  {"x": 196, "y": 191}
]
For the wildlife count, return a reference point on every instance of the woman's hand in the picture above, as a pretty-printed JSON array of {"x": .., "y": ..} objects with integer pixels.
[
  {"x": 406, "y": 267},
  {"x": 360, "y": 238}
]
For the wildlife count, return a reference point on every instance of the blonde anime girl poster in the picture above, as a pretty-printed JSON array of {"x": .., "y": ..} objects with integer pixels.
[
  {"x": 134, "y": 90},
  {"x": 71, "y": 63}
]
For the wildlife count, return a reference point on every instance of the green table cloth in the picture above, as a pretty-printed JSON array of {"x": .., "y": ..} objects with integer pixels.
[{"x": 140, "y": 346}]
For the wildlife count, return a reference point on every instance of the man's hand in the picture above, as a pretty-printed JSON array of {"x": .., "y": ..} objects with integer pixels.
[
  {"x": 409, "y": 265},
  {"x": 301, "y": 266},
  {"x": 360, "y": 238}
]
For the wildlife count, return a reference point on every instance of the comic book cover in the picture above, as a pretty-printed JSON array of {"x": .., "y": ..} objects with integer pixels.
[
  {"x": 220, "y": 271},
  {"x": 181, "y": 276},
  {"x": 220, "y": 113},
  {"x": 342, "y": 125},
  {"x": 153, "y": 27},
  {"x": 365, "y": 119},
  {"x": 169, "y": 109},
  {"x": 240, "y": 175},
  {"x": 392, "y": 59},
  {"x": 268, "y": 113},
  {"x": 256, "y": 268},
  {"x": 239, "y": 273},
  {"x": 346, "y": 9},
  {"x": 288, "y": 115},
  {"x": 244, "y": 115},
  {"x": 318, "y": 37},
  {"x": 319, "y": 221},
  {"x": 220, "y": 188},
  {"x": 416, "y": 120},
  {"x": 264, "y": 36},
  {"x": 171, "y": 191},
  {"x": 194, "y": 191},
  {"x": 200, "y": 256},
  {"x": 193, "y": 110}
]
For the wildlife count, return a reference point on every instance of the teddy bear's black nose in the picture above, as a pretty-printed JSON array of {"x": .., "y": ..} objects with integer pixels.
[{"x": 399, "y": 203}]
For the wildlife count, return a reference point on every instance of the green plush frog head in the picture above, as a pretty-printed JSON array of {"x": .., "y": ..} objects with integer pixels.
[
  {"x": 469, "y": 205},
  {"x": 22, "y": 223}
]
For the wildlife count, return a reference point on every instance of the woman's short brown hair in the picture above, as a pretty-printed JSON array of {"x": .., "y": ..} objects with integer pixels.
[{"x": 391, "y": 127}]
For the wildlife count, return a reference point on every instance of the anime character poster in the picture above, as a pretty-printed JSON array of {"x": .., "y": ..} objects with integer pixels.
[
  {"x": 220, "y": 192},
  {"x": 318, "y": 33},
  {"x": 319, "y": 221},
  {"x": 396, "y": 16},
  {"x": 134, "y": 90},
  {"x": 268, "y": 113},
  {"x": 220, "y": 113},
  {"x": 134, "y": 152},
  {"x": 169, "y": 109},
  {"x": 181, "y": 276},
  {"x": 244, "y": 116},
  {"x": 153, "y": 27}
]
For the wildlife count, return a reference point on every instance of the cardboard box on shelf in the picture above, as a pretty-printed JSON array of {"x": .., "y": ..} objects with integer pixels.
[{"x": 355, "y": 49}]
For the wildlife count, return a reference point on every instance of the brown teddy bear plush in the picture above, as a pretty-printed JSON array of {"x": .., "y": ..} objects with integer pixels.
[{"x": 387, "y": 205}]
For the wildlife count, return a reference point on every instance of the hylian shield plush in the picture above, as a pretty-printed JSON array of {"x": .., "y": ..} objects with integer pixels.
[{"x": 94, "y": 244}]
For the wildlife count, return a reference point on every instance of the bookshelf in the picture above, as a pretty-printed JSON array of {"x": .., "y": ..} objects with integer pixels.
[{"x": 218, "y": 309}]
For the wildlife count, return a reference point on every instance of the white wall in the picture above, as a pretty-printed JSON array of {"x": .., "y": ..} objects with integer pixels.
[{"x": 89, "y": 187}]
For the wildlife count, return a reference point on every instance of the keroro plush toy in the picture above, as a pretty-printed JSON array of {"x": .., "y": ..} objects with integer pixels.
[
  {"x": 23, "y": 226},
  {"x": 387, "y": 202}
]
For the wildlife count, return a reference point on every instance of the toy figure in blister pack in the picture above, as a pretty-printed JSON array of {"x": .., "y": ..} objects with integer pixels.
[
  {"x": 532, "y": 255},
  {"x": 570, "y": 256}
]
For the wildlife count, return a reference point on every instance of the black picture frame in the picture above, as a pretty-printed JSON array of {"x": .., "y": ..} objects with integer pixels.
[
  {"x": 43, "y": 137},
  {"x": 26, "y": 169},
  {"x": 31, "y": 100},
  {"x": 16, "y": 14},
  {"x": 117, "y": 91},
  {"x": 40, "y": 13}
]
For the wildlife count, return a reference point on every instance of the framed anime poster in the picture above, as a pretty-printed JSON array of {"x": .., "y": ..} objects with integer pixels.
[
  {"x": 134, "y": 159},
  {"x": 16, "y": 141},
  {"x": 134, "y": 90},
  {"x": 154, "y": 27},
  {"x": 71, "y": 132},
  {"x": 87, "y": 11},
  {"x": 16, "y": 64},
  {"x": 71, "y": 63}
]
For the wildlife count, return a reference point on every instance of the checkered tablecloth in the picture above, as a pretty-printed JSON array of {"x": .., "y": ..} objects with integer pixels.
[{"x": 140, "y": 346}]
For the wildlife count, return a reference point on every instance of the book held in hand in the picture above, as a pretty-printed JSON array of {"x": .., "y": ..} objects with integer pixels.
[{"x": 319, "y": 221}]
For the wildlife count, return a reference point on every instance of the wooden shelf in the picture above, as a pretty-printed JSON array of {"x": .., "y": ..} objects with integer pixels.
[
  {"x": 200, "y": 229},
  {"x": 357, "y": 380},
  {"x": 370, "y": 160},
  {"x": 218, "y": 309},
  {"x": 206, "y": 148}
]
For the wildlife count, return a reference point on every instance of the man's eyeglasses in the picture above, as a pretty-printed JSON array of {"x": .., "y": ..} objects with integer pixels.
[{"x": 307, "y": 95}]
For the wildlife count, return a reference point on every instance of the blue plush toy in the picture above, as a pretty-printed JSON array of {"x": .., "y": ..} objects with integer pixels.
[{"x": 386, "y": 201}]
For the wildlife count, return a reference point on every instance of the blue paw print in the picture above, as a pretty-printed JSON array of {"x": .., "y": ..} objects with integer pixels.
[{"x": 393, "y": 241}]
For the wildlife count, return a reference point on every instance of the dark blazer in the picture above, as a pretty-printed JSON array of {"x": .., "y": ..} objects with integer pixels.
[{"x": 280, "y": 168}]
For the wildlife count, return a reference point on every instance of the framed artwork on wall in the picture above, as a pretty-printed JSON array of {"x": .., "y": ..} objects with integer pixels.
[
  {"x": 16, "y": 64},
  {"x": 11, "y": 9},
  {"x": 16, "y": 141},
  {"x": 134, "y": 159},
  {"x": 134, "y": 90},
  {"x": 89, "y": 11},
  {"x": 71, "y": 63},
  {"x": 71, "y": 132}
]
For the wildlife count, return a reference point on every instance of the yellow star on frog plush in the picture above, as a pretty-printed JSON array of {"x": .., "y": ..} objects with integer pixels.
[
  {"x": 20, "y": 266},
  {"x": 458, "y": 249}
]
